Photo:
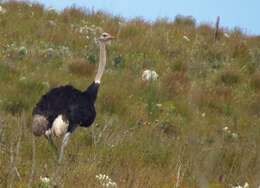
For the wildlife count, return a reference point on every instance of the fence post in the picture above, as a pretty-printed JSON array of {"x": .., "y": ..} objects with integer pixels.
[{"x": 217, "y": 29}]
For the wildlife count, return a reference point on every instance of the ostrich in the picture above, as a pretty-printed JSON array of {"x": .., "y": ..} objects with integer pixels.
[{"x": 62, "y": 109}]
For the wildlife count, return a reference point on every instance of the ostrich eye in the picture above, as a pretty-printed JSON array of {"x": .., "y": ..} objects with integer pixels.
[{"x": 104, "y": 35}]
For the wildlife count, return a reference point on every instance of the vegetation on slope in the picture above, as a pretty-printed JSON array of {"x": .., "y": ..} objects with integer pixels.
[{"x": 196, "y": 126}]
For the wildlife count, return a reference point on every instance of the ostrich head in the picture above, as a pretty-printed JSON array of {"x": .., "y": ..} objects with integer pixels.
[
  {"x": 39, "y": 125},
  {"x": 105, "y": 37}
]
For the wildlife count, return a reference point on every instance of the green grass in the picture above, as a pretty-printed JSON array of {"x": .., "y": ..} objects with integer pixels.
[{"x": 147, "y": 134}]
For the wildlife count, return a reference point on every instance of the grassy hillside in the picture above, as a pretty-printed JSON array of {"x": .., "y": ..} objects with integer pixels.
[{"x": 198, "y": 125}]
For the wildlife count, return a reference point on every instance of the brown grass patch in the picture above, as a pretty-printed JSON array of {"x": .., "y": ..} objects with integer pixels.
[
  {"x": 230, "y": 77},
  {"x": 176, "y": 83},
  {"x": 255, "y": 81},
  {"x": 81, "y": 67},
  {"x": 255, "y": 106}
]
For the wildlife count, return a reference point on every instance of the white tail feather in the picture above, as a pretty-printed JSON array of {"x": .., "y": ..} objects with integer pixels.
[{"x": 59, "y": 126}]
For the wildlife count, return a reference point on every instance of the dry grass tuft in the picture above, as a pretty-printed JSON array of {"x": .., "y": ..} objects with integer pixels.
[
  {"x": 255, "y": 81},
  {"x": 184, "y": 21},
  {"x": 230, "y": 77},
  {"x": 81, "y": 67},
  {"x": 175, "y": 83},
  {"x": 255, "y": 106}
]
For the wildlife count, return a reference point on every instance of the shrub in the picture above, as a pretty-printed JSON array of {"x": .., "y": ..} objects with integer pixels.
[
  {"x": 118, "y": 61},
  {"x": 49, "y": 53},
  {"x": 72, "y": 14},
  {"x": 230, "y": 77},
  {"x": 22, "y": 51},
  {"x": 215, "y": 100},
  {"x": 28, "y": 86},
  {"x": 206, "y": 32},
  {"x": 81, "y": 67},
  {"x": 253, "y": 65},
  {"x": 255, "y": 81},
  {"x": 92, "y": 58},
  {"x": 5, "y": 71},
  {"x": 241, "y": 52},
  {"x": 175, "y": 83},
  {"x": 254, "y": 108},
  {"x": 109, "y": 103},
  {"x": 14, "y": 105},
  {"x": 223, "y": 92},
  {"x": 185, "y": 20},
  {"x": 179, "y": 65}
]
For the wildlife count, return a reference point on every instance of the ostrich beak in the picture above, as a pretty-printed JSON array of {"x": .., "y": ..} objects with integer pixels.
[{"x": 112, "y": 37}]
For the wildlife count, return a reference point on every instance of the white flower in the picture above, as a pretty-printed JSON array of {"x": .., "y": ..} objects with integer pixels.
[
  {"x": 159, "y": 105},
  {"x": 105, "y": 181},
  {"x": 186, "y": 38},
  {"x": 45, "y": 180},
  {"x": 2, "y": 10},
  {"x": 226, "y": 35},
  {"x": 51, "y": 9},
  {"x": 235, "y": 136},
  {"x": 22, "y": 78},
  {"x": 149, "y": 75},
  {"x": 52, "y": 23},
  {"x": 49, "y": 52},
  {"x": 246, "y": 185},
  {"x": 22, "y": 51},
  {"x": 239, "y": 186},
  {"x": 225, "y": 128}
]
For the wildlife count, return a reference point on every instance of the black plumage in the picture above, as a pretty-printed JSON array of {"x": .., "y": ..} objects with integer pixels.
[{"x": 76, "y": 106}]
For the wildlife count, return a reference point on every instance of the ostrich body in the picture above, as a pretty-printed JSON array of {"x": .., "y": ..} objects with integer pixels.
[
  {"x": 61, "y": 110},
  {"x": 65, "y": 105}
]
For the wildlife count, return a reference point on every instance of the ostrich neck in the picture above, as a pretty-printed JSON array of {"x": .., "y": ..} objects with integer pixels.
[{"x": 102, "y": 62}]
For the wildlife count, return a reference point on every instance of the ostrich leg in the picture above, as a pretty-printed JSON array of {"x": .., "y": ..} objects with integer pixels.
[
  {"x": 64, "y": 143},
  {"x": 50, "y": 140}
]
